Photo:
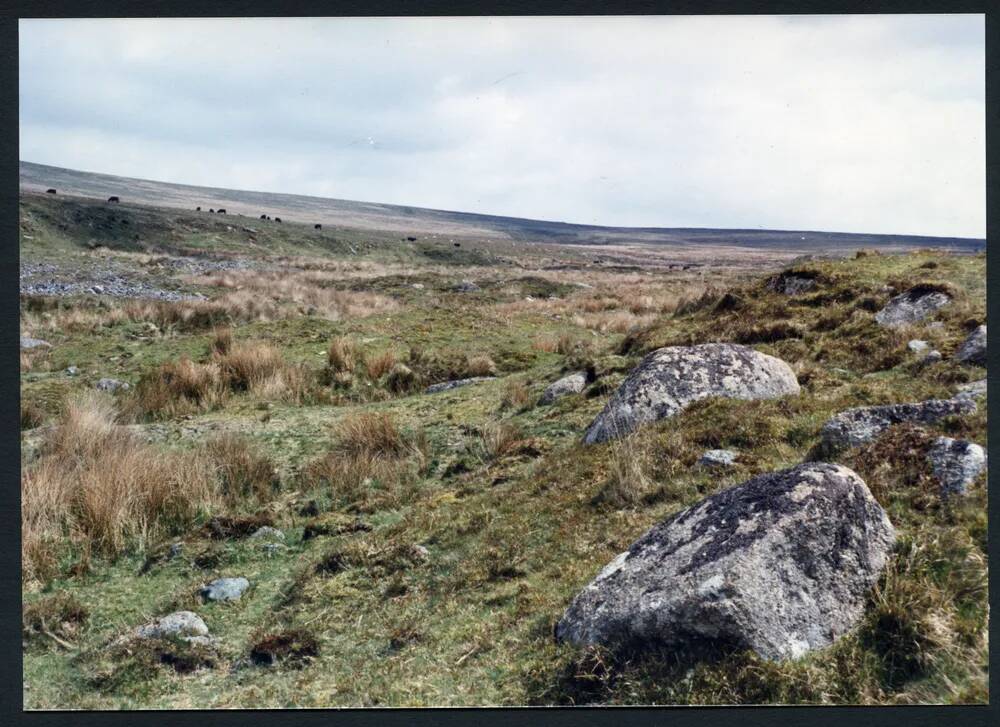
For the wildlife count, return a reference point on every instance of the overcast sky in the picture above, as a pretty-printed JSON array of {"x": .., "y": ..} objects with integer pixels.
[{"x": 860, "y": 124}]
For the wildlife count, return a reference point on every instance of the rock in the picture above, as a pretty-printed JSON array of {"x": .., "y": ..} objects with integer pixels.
[
  {"x": 225, "y": 589},
  {"x": 973, "y": 349},
  {"x": 183, "y": 625},
  {"x": 272, "y": 549},
  {"x": 467, "y": 286},
  {"x": 572, "y": 384},
  {"x": 932, "y": 357},
  {"x": 791, "y": 284},
  {"x": 175, "y": 550},
  {"x": 935, "y": 326},
  {"x": 28, "y": 343},
  {"x": 916, "y": 345},
  {"x": 111, "y": 385},
  {"x": 421, "y": 552},
  {"x": 956, "y": 463},
  {"x": 446, "y": 385},
  {"x": 669, "y": 379},
  {"x": 718, "y": 458},
  {"x": 72, "y": 370},
  {"x": 862, "y": 424},
  {"x": 912, "y": 306},
  {"x": 417, "y": 286},
  {"x": 780, "y": 564},
  {"x": 972, "y": 390},
  {"x": 267, "y": 532},
  {"x": 97, "y": 289}
]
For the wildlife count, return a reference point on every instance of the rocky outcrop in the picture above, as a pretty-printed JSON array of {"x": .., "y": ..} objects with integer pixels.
[
  {"x": 912, "y": 306},
  {"x": 111, "y": 385},
  {"x": 780, "y": 564},
  {"x": 973, "y": 349},
  {"x": 956, "y": 463},
  {"x": 792, "y": 283},
  {"x": 448, "y": 385},
  {"x": 862, "y": 424},
  {"x": 917, "y": 345},
  {"x": 572, "y": 384},
  {"x": 972, "y": 390},
  {"x": 670, "y": 379}
]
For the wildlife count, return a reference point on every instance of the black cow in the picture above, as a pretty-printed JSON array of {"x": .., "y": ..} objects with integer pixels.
[
  {"x": 221, "y": 212},
  {"x": 317, "y": 226},
  {"x": 412, "y": 239},
  {"x": 277, "y": 219},
  {"x": 113, "y": 199},
  {"x": 263, "y": 217},
  {"x": 458, "y": 244},
  {"x": 50, "y": 191},
  {"x": 197, "y": 209},
  {"x": 211, "y": 210}
]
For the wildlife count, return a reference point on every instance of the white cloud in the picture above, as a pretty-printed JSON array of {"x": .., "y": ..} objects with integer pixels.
[{"x": 863, "y": 123}]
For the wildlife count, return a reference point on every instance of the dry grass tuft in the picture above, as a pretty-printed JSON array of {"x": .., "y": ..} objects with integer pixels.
[
  {"x": 245, "y": 473},
  {"x": 480, "y": 365},
  {"x": 343, "y": 355},
  {"x": 379, "y": 365}
]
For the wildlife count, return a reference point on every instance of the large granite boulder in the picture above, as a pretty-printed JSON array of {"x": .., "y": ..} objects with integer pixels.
[
  {"x": 973, "y": 349},
  {"x": 184, "y": 625},
  {"x": 225, "y": 589},
  {"x": 668, "y": 380},
  {"x": 571, "y": 384},
  {"x": 912, "y": 306},
  {"x": 956, "y": 463},
  {"x": 780, "y": 564},
  {"x": 862, "y": 424}
]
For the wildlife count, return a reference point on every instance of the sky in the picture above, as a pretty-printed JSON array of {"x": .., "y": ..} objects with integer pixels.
[{"x": 838, "y": 123}]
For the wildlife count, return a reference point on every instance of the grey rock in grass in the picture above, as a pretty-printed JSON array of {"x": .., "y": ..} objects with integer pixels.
[
  {"x": 792, "y": 284},
  {"x": 717, "y": 458},
  {"x": 28, "y": 343},
  {"x": 467, "y": 286},
  {"x": 456, "y": 383},
  {"x": 862, "y": 424},
  {"x": 225, "y": 589},
  {"x": 973, "y": 349},
  {"x": 266, "y": 532},
  {"x": 932, "y": 357},
  {"x": 972, "y": 390},
  {"x": 780, "y": 564},
  {"x": 912, "y": 306},
  {"x": 72, "y": 370},
  {"x": 177, "y": 625},
  {"x": 111, "y": 385},
  {"x": 670, "y": 379},
  {"x": 917, "y": 345},
  {"x": 572, "y": 384},
  {"x": 956, "y": 463}
]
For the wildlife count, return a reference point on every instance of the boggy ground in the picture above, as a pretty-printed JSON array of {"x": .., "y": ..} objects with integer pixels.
[{"x": 433, "y": 540}]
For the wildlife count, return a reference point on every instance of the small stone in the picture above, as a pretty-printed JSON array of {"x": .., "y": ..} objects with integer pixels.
[
  {"x": 268, "y": 532},
  {"x": 718, "y": 458},
  {"x": 225, "y": 589},
  {"x": 72, "y": 370},
  {"x": 176, "y": 549},
  {"x": 27, "y": 342},
  {"x": 111, "y": 385},
  {"x": 932, "y": 357},
  {"x": 956, "y": 463},
  {"x": 97, "y": 289},
  {"x": 973, "y": 349},
  {"x": 972, "y": 390},
  {"x": 467, "y": 286},
  {"x": 571, "y": 384},
  {"x": 179, "y": 624},
  {"x": 456, "y": 383},
  {"x": 917, "y": 345},
  {"x": 417, "y": 286},
  {"x": 272, "y": 549}
]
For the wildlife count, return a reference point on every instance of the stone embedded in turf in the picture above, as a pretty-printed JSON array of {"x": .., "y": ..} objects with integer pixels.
[{"x": 781, "y": 564}]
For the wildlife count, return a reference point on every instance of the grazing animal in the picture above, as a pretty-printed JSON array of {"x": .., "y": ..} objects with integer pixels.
[
  {"x": 412, "y": 239},
  {"x": 113, "y": 199},
  {"x": 458, "y": 244},
  {"x": 277, "y": 219},
  {"x": 317, "y": 226},
  {"x": 263, "y": 217},
  {"x": 211, "y": 210},
  {"x": 50, "y": 191},
  {"x": 221, "y": 212},
  {"x": 197, "y": 209}
]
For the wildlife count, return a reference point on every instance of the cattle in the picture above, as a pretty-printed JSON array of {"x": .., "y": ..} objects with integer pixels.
[
  {"x": 211, "y": 210},
  {"x": 197, "y": 209},
  {"x": 220, "y": 212},
  {"x": 50, "y": 191},
  {"x": 263, "y": 217},
  {"x": 113, "y": 199},
  {"x": 412, "y": 239},
  {"x": 458, "y": 244},
  {"x": 317, "y": 226},
  {"x": 277, "y": 219}
]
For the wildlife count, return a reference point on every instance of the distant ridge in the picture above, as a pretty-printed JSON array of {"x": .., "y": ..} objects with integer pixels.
[{"x": 416, "y": 220}]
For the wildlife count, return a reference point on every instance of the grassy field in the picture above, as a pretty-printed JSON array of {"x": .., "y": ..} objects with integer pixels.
[{"x": 433, "y": 540}]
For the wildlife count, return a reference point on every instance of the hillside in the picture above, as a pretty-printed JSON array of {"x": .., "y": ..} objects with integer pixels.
[
  {"x": 410, "y": 221},
  {"x": 420, "y": 545}
]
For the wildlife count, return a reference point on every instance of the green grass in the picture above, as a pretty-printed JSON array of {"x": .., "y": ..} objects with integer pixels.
[{"x": 511, "y": 539}]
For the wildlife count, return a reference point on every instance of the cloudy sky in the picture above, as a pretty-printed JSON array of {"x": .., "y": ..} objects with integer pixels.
[{"x": 862, "y": 124}]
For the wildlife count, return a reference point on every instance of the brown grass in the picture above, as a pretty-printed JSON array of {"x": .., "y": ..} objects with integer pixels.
[
  {"x": 98, "y": 485},
  {"x": 343, "y": 354},
  {"x": 379, "y": 365},
  {"x": 480, "y": 365},
  {"x": 517, "y": 396},
  {"x": 245, "y": 473}
]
